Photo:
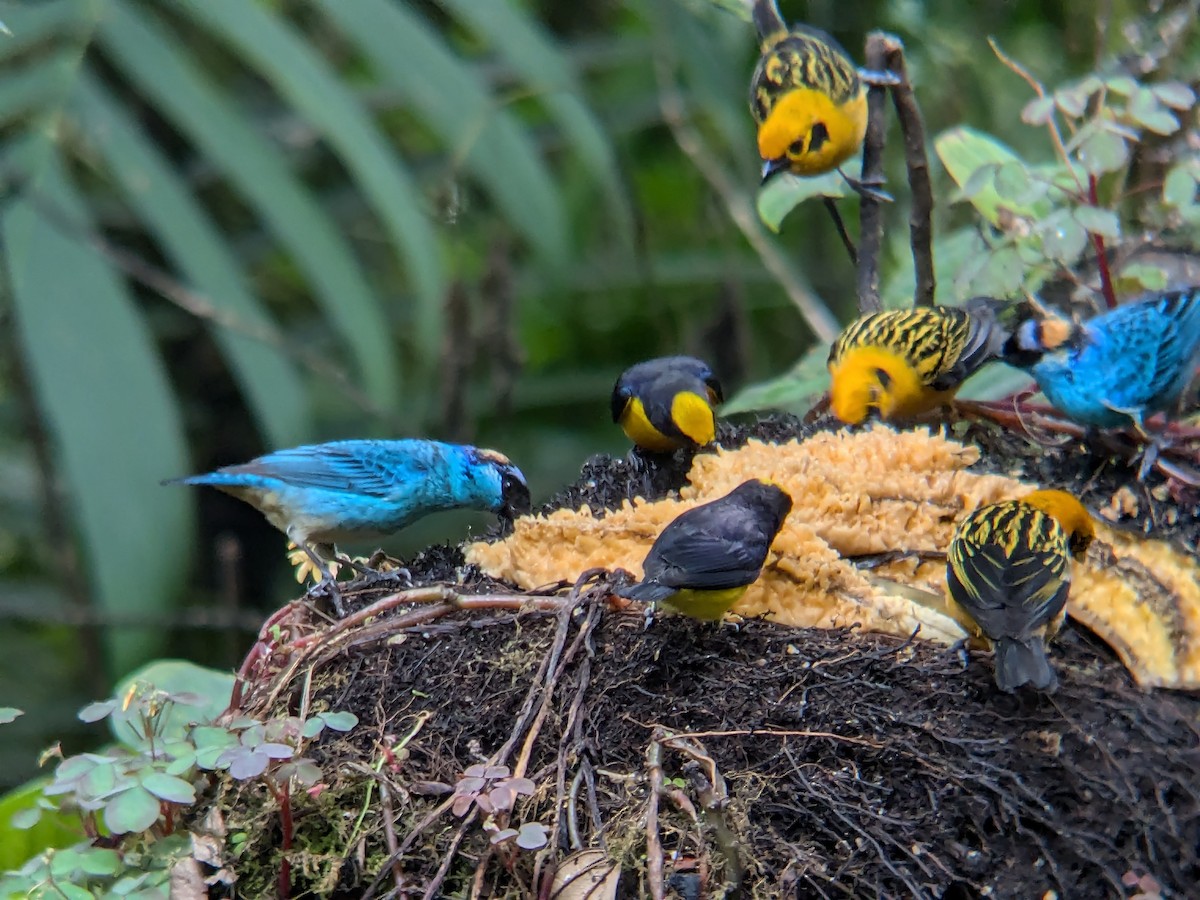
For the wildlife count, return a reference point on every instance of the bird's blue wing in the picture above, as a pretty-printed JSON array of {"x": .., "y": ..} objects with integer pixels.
[
  {"x": 372, "y": 468},
  {"x": 1151, "y": 343}
]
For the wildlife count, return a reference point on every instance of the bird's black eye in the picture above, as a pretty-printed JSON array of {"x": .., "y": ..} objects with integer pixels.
[
  {"x": 817, "y": 137},
  {"x": 884, "y": 379},
  {"x": 795, "y": 148}
]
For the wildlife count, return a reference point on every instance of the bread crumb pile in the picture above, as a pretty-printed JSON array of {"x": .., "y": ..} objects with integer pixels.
[{"x": 871, "y": 492}]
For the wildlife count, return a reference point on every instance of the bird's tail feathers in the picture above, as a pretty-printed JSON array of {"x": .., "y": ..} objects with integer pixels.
[
  {"x": 220, "y": 479},
  {"x": 646, "y": 592},
  {"x": 767, "y": 19},
  {"x": 1024, "y": 662}
]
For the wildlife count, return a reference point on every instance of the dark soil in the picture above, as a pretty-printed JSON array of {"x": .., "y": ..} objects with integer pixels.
[{"x": 820, "y": 763}]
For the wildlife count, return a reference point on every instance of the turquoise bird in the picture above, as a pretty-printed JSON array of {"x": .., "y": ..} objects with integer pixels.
[
  {"x": 1119, "y": 367},
  {"x": 322, "y": 493}
]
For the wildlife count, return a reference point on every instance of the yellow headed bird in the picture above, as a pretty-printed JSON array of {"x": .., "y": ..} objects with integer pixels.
[
  {"x": 704, "y": 560},
  {"x": 1008, "y": 570},
  {"x": 807, "y": 97},
  {"x": 665, "y": 404},
  {"x": 903, "y": 363}
]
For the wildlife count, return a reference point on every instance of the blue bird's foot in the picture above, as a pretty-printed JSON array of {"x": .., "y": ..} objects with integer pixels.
[
  {"x": 879, "y": 77},
  {"x": 867, "y": 189},
  {"x": 329, "y": 587}
]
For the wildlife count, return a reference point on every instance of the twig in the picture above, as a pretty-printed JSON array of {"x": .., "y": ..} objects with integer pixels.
[
  {"x": 670, "y": 735},
  {"x": 1106, "y": 284},
  {"x": 654, "y": 850},
  {"x": 870, "y": 210},
  {"x": 738, "y": 206},
  {"x": 912, "y": 128}
]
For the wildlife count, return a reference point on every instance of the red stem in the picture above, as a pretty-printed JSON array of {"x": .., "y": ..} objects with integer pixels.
[{"x": 1106, "y": 285}]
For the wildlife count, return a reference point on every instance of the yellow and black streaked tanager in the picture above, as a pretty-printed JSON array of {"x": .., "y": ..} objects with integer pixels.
[
  {"x": 807, "y": 97},
  {"x": 904, "y": 363},
  {"x": 666, "y": 404},
  {"x": 704, "y": 560},
  {"x": 1009, "y": 570}
]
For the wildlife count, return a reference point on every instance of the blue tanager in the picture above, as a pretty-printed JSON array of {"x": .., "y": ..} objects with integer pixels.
[
  {"x": 323, "y": 493},
  {"x": 1118, "y": 368}
]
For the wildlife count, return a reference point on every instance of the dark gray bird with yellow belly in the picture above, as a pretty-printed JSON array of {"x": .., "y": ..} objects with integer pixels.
[
  {"x": 707, "y": 557},
  {"x": 666, "y": 404}
]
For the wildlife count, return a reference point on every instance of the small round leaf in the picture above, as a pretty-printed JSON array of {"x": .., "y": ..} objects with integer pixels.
[
  {"x": 133, "y": 810},
  {"x": 169, "y": 788}
]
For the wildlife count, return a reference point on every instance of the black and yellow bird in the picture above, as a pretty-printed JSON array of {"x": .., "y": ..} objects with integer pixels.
[
  {"x": 809, "y": 101},
  {"x": 707, "y": 557},
  {"x": 904, "y": 363},
  {"x": 1009, "y": 570},
  {"x": 666, "y": 404},
  {"x": 807, "y": 97}
]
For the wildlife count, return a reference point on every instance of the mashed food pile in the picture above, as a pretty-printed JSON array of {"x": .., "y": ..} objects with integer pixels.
[{"x": 859, "y": 494}]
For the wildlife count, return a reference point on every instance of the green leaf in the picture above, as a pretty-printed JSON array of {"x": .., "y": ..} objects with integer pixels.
[
  {"x": 1099, "y": 221},
  {"x": 1179, "y": 187},
  {"x": 165, "y": 203},
  {"x": 166, "y": 75},
  {"x": 339, "y": 721},
  {"x": 786, "y": 191},
  {"x": 1103, "y": 152},
  {"x": 1038, "y": 111},
  {"x": 20, "y": 841},
  {"x": 172, "y": 676},
  {"x": 1175, "y": 94},
  {"x": 282, "y": 56},
  {"x": 100, "y": 861},
  {"x": 75, "y": 310},
  {"x": 130, "y": 811},
  {"x": 964, "y": 152},
  {"x": 168, "y": 787},
  {"x": 1138, "y": 277},
  {"x": 31, "y": 24},
  {"x": 1063, "y": 238},
  {"x": 10, "y": 714},
  {"x": 413, "y": 59},
  {"x": 94, "y": 712},
  {"x": 1002, "y": 273},
  {"x": 793, "y": 392},
  {"x": 519, "y": 39},
  {"x": 36, "y": 87}
]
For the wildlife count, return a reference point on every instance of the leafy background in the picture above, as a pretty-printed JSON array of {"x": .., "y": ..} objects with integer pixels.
[{"x": 232, "y": 225}]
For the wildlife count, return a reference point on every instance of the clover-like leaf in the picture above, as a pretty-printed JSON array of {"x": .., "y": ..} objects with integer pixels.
[
  {"x": 339, "y": 721},
  {"x": 169, "y": 787},
  {"x": 10, "y": 714},
  {"x": 1175, "y": 94},
  {"x": 522, "y": 786},
  {"x": 135, "y": 809},
  {"x": 461, "y": 804},
  {"x": 94, "y": 712},
  {"x": 24, "y": 819},
  {"x": 501, "y": 797},
  {"x": 100, "y": 861},
  {"x": 1098, "y": 221},
  {"x": 304, "y": 770},
  {"x": 1179, "y": 187},
  {"x": 1038, "y": 111},
  {"x": 532, "y": 836},
  {"x": 501, "y": 836}
]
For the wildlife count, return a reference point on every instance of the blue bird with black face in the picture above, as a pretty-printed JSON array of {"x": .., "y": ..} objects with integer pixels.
[
  {"x": 322, "y": 493},
  {"x": 1119, "y": 367}
]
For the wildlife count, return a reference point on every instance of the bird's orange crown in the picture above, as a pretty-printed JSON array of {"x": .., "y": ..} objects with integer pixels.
[{"x": 1069, "y": 513}]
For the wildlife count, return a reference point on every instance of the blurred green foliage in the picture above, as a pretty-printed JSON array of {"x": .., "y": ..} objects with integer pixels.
[{"x": 231, "y": 225}]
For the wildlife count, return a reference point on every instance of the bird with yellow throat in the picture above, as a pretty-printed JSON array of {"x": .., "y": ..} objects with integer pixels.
[
  {"x": 900, "y": 364},
  {"x": 667, "y": 404}
]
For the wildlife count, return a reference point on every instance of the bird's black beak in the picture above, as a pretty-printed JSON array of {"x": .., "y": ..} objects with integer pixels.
[{"x": 773, "y": 167}]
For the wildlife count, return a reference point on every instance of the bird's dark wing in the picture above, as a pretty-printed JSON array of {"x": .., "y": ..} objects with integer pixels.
[
  {"x": 1009, "y": 595},
  {"x": 372, "y": 468},
  {"x": 979, "y": 337},
  {"x": 1178, "y": 338},
  {"x": 711, "y": 547}
]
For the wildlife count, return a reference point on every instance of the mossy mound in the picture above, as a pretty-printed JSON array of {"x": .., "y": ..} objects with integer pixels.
[{"x": 778, "y": 761}]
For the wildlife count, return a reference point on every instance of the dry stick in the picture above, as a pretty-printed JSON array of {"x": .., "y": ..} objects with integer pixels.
[
  {"x": 870, "y": 210},
  {"x": 713, "y": 801},
  {"x": 912, "y": 128},
  {"x": 654, "y": 851},
  {"x": 738, "y": 206}
]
